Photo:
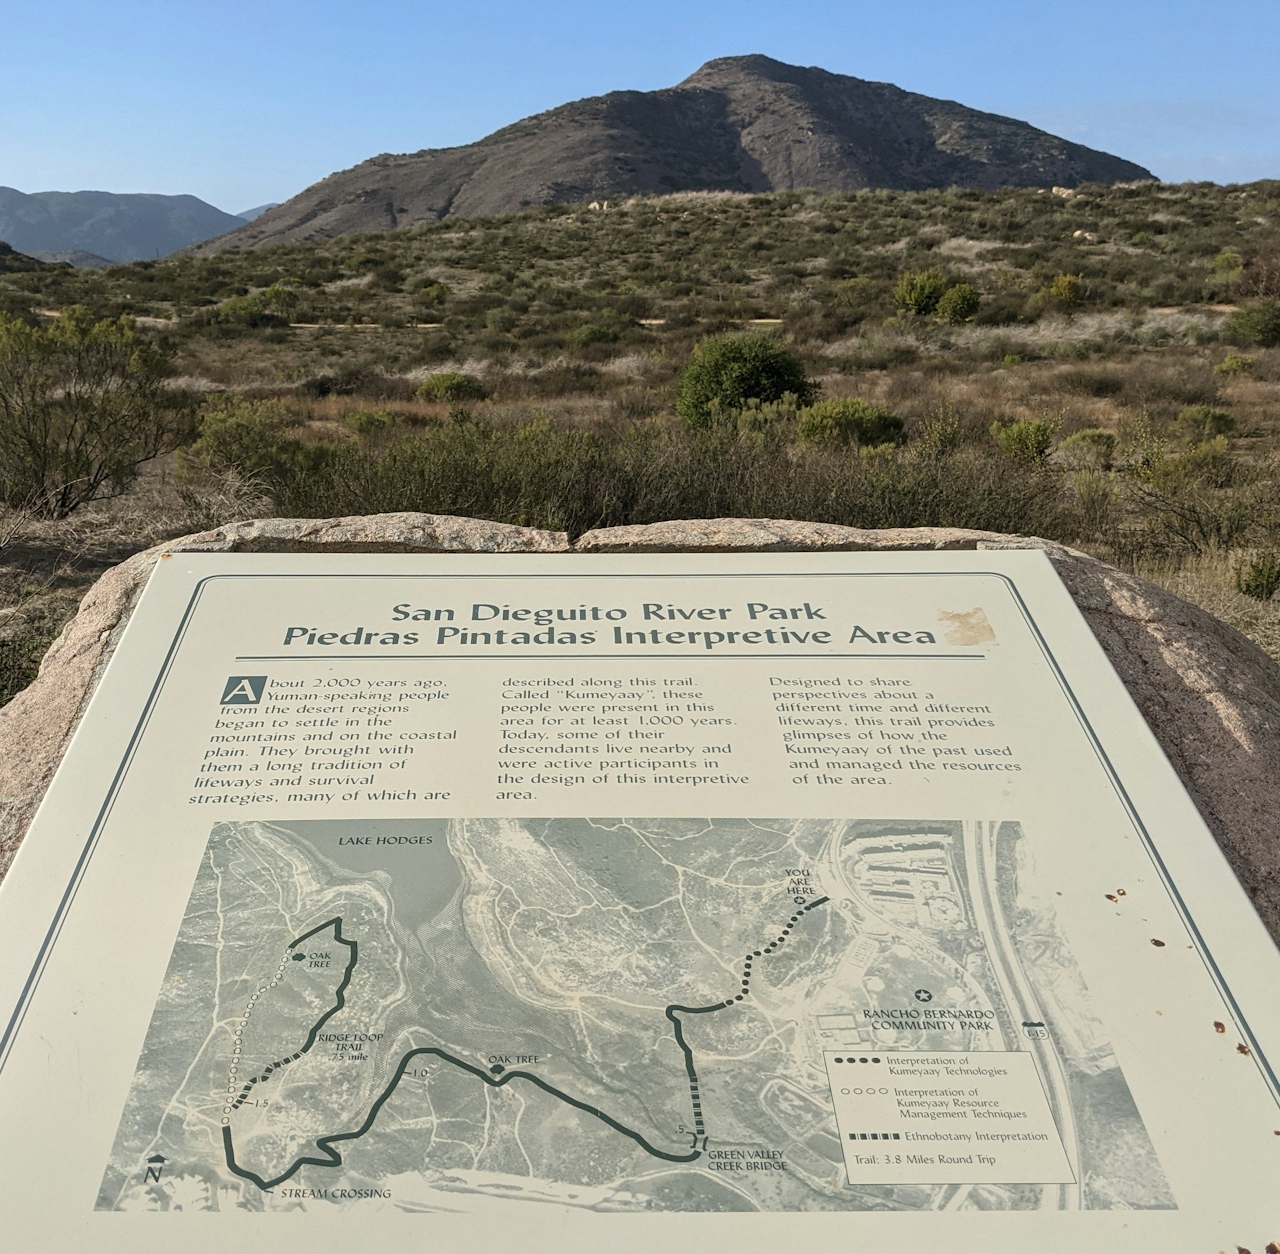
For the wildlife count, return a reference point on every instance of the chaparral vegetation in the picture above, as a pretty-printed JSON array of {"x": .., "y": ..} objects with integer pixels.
[{"x": 1098, "y": 366}]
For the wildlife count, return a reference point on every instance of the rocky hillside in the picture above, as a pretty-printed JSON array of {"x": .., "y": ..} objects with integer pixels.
[{"x": 739, "y": 124}]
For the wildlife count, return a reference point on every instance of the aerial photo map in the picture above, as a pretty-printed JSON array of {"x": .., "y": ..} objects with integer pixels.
[{"x": 626, "y": 1015}]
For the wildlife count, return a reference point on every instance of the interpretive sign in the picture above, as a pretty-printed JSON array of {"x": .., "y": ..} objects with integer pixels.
[{"x": 585, "y": 903}]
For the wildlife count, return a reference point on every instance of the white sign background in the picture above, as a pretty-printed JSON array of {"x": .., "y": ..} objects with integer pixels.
[{"x": 96, "y": 896}]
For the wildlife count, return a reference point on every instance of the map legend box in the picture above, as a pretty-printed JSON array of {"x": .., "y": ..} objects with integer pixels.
[{"x": 909, "y": 1118}]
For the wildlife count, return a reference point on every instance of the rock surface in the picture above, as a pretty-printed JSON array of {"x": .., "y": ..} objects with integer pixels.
[
  {"x": 767, "y": 535},
  {"x": 1210, "y": 695}
]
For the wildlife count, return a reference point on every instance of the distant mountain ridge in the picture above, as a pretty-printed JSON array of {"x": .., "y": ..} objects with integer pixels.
[
  {"x": 119, "y": 227},
  {"x": 73, "y": 257},
  {"x": 257, "y": 211},
  {"x": 738, "y": 124}
]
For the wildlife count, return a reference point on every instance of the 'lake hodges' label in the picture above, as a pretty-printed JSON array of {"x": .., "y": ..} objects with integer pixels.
[{"x": 909, "y": 1118}]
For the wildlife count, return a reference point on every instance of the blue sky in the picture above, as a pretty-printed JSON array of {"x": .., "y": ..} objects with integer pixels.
[{"x": 243, "y": 102}]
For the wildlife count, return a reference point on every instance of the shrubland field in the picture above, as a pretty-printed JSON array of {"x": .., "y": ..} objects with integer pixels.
[{"x": 1099, "y": 367}]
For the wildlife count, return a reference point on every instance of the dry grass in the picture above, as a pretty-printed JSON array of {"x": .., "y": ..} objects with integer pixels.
[
  {"x": 47, "y": 567},
  {"x": 1209, "y": 581}
]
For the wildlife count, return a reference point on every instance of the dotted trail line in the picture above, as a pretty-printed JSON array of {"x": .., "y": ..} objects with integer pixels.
[
  {"x": 699, "y": 1130},
  {"x": 496, "y": 1077}
]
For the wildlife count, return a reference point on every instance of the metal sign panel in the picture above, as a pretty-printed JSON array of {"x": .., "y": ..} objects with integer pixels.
[{"x": 584, "y": 902}]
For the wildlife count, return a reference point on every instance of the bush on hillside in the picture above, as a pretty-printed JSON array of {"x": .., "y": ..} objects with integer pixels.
[
  {"x": 1095, "y": 493},
  {"x": 1089, "y": 382},
  {"x": 919, "y": 291},
  {"x": 938, "y": 436},
  {"x": 846, "y": 420},
  {"x": 1202, "y": 499},
  {"x": 959, "y": 303},
  {"x": 591, "y": 333},
  {"x": 726, "y": 371},
  {"x": 451, "y": 385},
  {"x": 359, "y": 381},
  {"x": 1027, "y": 440},
  {"x": 371, "y": 421},
  {"x": 1066, "y": 290},
  {"x": 248, "y": 312},
  {"x": 282, "y": 300},
  {"x": 774, "y": 420},
  {"x": 1197, "y": 423},
  {"x": 1258, "y": 323},
  {"x": 1261, "y": 277},
  {"x": 241, "y": 435},
  {"x": 82, "y": 407},
  {"x": 433, "y": 292},
  {"x": 1205, "y": 463},
  {"x": 1234, "y": 364},
  {"x": 857, "y": 299},
  {"x": 1091, "y": 449},
  {"x": 1259, "y": 577}
]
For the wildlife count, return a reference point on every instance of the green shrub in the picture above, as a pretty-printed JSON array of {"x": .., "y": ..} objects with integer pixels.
[
  {"x": 1260, "y": 576},
  {"x": 244, "y": 311},
  {"x": 282, "y": 300},
  {"x": 959, "y": 303},
  {"x": 1208, "y": 463},
  {"x": 775, "y": 419},
  {"x": 726, "y": 371},
  {"x": 1258, "y": 323},
  {"x": 1261, "y": 277},
  {"x": 591, "y": 333},
  {"x": 245, "y": 436},
  {"x": 1234, "y": 364},
  {"x": 938, "y": 436},
  {"x": 1091, "y": 449},
  {"x": 501, "y": 321},
  {"x": 82, "y": 407},
  {"x": 433, "y": 292},
  {"x": 920, "y": 291},
  {"x": 359, "y": 381},
  {"x": 388, "y": 277},
  {"x": 370, "y": 421},
  {"x": 858, "y": 299},
  {"x": 846, "y": 420},
  {"x": 451, "y": 385},
  {"x": 1197, "y": 423},
  {"x": 1066, "y": 290},
  {"x": 1027, "y": 440}
]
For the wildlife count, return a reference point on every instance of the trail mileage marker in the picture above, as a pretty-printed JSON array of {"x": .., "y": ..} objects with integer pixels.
[{"x": 335, "y": 913}]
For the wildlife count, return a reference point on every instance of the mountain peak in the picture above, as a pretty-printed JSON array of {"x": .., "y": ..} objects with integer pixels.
[
  {"x": 745, "y": 123},
  {"x": 755, "y": 65}
]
